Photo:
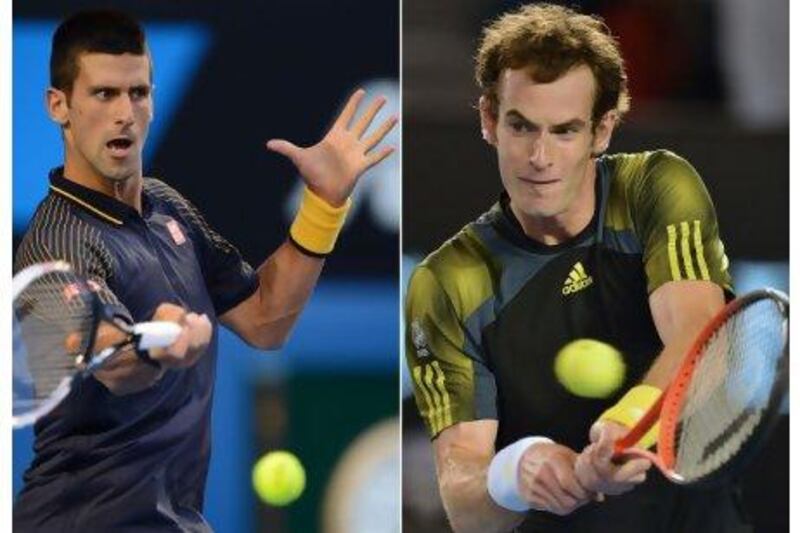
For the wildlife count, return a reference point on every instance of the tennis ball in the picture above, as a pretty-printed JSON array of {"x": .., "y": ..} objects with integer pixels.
[
  {"x": 279, "y": 478},
  {"x": 590, "y": 368}
]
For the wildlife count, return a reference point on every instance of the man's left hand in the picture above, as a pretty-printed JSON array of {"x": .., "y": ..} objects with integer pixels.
[{"x": 331, "y": 167}]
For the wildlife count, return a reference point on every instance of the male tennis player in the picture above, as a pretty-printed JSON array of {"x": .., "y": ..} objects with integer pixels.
[
  {"x": 623, "y": 248},
  {"x": 128, "y": 450}
]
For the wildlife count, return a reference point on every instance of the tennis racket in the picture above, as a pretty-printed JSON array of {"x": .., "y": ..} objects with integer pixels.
[
  {"x": 726, "y": 397},
  {"x": 56, "y": 318}
]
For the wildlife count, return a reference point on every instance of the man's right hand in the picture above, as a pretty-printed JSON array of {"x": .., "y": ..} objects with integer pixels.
[
  {"x": 191, "y": 342},
  {"x": 547, "y": 479}
]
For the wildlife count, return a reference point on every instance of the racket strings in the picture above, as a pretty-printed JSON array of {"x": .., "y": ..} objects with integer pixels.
[
  {"x": 52, "y": 319},
  {"x": 730, "y": 389}
]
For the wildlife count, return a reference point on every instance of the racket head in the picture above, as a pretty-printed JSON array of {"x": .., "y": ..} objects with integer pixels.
[
  {"x": 721, "y": 408},
  {"x": 54, "y": 322}
]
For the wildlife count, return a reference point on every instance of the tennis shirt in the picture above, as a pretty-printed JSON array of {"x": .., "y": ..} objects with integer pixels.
[
  {"x": 136, "y": 462},
  {"x": 489, "y": 310}
]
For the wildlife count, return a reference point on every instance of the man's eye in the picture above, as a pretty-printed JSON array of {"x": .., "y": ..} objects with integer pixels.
[
  {"x": 520, "y": 127},
  {"x": 139, "y": 93},
  {"x": 103, "y": 94}
]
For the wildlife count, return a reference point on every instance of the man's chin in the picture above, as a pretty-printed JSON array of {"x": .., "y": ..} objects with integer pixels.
[{"x": 119, "y": 173}]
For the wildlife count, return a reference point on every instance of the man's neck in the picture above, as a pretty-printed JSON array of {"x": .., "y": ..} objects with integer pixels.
[
  {"x": 128, "y": 191},
  {"x": 563, "y": 226}
]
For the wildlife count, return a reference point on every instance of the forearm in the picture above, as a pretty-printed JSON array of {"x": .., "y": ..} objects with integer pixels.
[
  {"x": 128, "y": 374},
  {"x": 680, "y": 311},
  {"x": 286, "y": 280},
  {"x": 462, "y": 484}
]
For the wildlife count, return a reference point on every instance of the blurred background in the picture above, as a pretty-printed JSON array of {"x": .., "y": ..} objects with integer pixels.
[
  {"x": 709, "y": 80},
  {"x": 228, "y": 77}
]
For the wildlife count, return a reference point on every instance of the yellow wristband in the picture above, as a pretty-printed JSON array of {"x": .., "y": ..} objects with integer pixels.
[
  {"x": 632, "y": 407},
  {"x": 316, "y": 225}
]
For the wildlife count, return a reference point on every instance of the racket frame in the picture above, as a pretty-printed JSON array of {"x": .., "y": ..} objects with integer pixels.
[{"x": 667, "y": 408}]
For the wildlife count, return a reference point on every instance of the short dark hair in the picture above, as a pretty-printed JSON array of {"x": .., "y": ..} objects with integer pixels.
[
  {"x": 549, "y": 40},
  {"x": 95, "y": 31}
]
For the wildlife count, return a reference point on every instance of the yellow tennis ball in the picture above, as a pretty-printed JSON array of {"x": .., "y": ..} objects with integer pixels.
[
  {"x": 279, "y": 478},
  {"x": 590, "y": 368}
]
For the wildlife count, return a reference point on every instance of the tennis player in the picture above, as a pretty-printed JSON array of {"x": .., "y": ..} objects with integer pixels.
[
  {"x": 623, "y": 248},
  {"x": 128, "y": 449}
]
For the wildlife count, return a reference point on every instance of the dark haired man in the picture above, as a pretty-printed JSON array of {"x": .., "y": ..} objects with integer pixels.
[
  {"x": 128, "y": 449},
  {"x": 622, "y": 248}
]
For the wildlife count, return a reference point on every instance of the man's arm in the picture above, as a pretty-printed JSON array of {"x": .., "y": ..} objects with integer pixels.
[
  {"x": 330, "y": 170},
  {"x": 127, "y": 373},
  {"x": 545, "y": 478},
  {"x": 286, "y": 280}
]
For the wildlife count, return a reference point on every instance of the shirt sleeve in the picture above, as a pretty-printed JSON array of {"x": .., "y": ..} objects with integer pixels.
[
  {"x": 76, "y": 243},
  {"x": 229, "y": 278},
  {"x": 676, "y": 222},
  {"x": 450, "y": 384}
]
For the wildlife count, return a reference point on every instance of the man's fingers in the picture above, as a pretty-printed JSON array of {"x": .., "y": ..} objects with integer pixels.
[
  {"x": 550, "y": 481},
  {"x": 285, "y": 148},
  {"x": 377, "y": 157},
  {"x": 543, "y": 500},
  {"x": 569, "y": 482},
  {"x": 586, "y": 472},
  {"x": 363, "y": 123},
  {"x": 604, "y": 448},
  {"x": 378, "y": 135},
  {"x": 349, "y": 110},
  {"x": 632, "y": 470}
]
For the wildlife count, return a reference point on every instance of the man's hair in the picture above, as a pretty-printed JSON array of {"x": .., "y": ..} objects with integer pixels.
[
  {"x": 548, "y": 41},
  {"x": 96, "y": 31}
]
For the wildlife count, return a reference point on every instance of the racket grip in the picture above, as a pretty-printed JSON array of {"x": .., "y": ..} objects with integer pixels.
[{"x": 157, "y": 334}]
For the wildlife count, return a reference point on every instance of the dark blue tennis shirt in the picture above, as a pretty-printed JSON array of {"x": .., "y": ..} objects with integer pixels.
[{"x": 135, "y": 462}]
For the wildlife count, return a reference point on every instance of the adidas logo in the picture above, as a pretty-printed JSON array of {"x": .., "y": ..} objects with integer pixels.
[{"x": 577, "y": 280}]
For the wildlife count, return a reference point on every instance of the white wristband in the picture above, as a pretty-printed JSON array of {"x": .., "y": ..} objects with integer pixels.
[{"x": 502, "y": 478}]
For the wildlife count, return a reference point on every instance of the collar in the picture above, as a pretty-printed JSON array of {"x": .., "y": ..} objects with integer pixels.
[
  {"x": 96, "y": 203},
  {"x": 508, "y": 225}
]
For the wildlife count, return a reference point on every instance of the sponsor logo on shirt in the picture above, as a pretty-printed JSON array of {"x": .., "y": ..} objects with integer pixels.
[{"x": 577, "y": 280}]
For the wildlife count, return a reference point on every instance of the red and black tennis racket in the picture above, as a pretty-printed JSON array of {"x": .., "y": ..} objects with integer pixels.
[{"x": 727, "y": 396}]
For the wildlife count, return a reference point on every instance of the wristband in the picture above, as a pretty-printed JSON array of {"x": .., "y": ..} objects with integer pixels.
[
  {"x": 502, "y": 477},
  {"x": 632, "y": 407},
  {"x": 316, "y": 225}
]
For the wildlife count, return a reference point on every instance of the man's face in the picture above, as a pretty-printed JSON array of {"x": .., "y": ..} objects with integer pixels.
[
  {"x": 108, "y": 115},
  {"x": 544, "y": 140}
]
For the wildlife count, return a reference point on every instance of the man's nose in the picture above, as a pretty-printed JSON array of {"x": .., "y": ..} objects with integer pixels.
[
  {"x": 540, "y": 153},
  {"x": 123, "y": 110}
]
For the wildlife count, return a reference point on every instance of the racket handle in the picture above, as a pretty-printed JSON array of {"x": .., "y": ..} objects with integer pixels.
[{"x": 157, "y": 334}]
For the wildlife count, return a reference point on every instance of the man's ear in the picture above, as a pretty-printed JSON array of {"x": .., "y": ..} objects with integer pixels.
[
  {"x": 57, "y": 106},
  {"x": 602, "y": 132},
  {"x": 488, "y": 121}
]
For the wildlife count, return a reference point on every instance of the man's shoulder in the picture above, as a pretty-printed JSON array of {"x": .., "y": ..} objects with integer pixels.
[
  {"x": 55, "y": 215},
  {"x": 160, "y": 190},
  {"x": 629, "y": 168},
  {"x": 460, "y": 268},
  {"x": 58, "y": 230}
]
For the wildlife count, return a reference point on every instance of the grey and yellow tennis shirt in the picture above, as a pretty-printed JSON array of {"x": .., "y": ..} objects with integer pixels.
[
  {"x": 487, "y": 312},
  {"x": 136, "y": 462}
]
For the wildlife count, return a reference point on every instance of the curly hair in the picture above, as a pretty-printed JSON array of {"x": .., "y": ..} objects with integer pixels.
[{"x": 549, "y": 40}]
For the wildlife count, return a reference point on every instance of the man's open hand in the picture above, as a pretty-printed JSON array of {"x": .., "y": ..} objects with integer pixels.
[{"x": 331, "y": 167}]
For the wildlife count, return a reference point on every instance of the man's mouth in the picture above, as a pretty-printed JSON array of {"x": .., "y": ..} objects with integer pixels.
[
  {"x": 539, "y": 181},
  {"x": 120, "y": 146}
]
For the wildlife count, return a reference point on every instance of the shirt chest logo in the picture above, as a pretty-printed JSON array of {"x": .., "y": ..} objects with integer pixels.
[
  {"x": 577, "y": 280},
  {"x": 176, "y": 232}
]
